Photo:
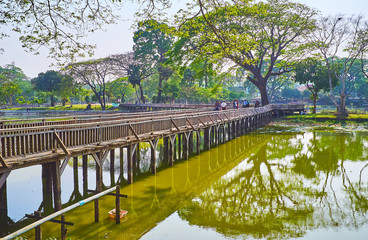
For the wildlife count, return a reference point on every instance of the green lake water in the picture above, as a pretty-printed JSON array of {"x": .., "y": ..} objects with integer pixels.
[{"x": 276, "y": 183}]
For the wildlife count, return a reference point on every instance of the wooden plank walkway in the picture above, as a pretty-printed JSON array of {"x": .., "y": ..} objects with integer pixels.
[
  {"x": 24, "y": 144},
  {"x": 53, "y": 142}
]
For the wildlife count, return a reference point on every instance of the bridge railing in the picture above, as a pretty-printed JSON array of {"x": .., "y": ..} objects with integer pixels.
[
  {"x": 20, "y": 142},
  {"x": 79, "y": 119}
]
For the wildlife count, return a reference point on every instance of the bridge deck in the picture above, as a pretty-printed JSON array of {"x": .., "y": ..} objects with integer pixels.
[{"x": 23, "y": 144}]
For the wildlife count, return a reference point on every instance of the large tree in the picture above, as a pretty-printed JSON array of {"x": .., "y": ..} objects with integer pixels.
[
  {"x": 151, "y": 43},
  {"x": 48, "y": 82},
  {"x": 94, "y": 73},
  {"x": 136, "y": 69},
  {"x": 257, "y": 36},
  {"x": 336, "y": 36},
  {"x": 121, "y": 89},
  {"x": 14, "y": 84},
  {"x": 313, "y": 74}
]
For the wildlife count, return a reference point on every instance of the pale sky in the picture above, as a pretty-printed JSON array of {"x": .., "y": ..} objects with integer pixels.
[{"x": 118, "y": 38}]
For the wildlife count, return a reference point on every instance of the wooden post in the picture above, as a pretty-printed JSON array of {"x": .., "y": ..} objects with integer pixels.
[
  {"x": 56, "y": 185},
  {"x": 112, "y": 167},
  {"x": 3, "y": 207},
  {"x": 47, "y": 187},
  {"x": 180, "y": 137},
  {"x": 216, "y": 128},
  {"x": 212, "y": 136},
  {"x": 117, "y": 204},
  {"x": 207, "y": 140},
  {"x": 38, "y": 233},
  {"x": 98, "y": 185},
  {"x": 131, "y": 149},
  {"x": 232, "y": 129},
  {"x": 63, "y": 228},
  {"x": 166, "y": 149},
  {"x": 229, "y": 131},
  {"x": 121, "y": 164},
  {"x": 185, "y": 146},
  {"x": 76, "y": 178},
  {"x": 223, "y": 133},
  {"x": 172, "y": 150},
  {"x": 85, "y": 174},
  {"x": 136, "y": 159},
  {"x": 198, "y": 141},
  {"x": 191, "y": 143},
  {"x": 175, "y": 147},
  {"x": 153, "y": 159}
]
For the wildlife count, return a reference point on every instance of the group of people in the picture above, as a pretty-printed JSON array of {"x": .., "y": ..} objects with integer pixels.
[
  {"x": 220, "y": 106},
  {"x": 244, "y": 104}
]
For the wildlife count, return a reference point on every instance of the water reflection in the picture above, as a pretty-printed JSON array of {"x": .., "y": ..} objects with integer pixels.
[
  {"x": 291, "y": 184},
  {"x": 271, "y": 184}
]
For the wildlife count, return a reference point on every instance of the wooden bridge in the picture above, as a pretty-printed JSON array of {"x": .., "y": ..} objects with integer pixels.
[{"x": 52, "y": 143}]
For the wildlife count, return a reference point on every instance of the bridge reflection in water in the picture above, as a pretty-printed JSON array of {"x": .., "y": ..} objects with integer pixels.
[
  {"x": 153, "y": 197},
  {"x": 276, "y": 184}
]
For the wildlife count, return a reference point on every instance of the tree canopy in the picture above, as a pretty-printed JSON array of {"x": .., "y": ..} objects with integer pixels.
[{"x": 257, "y": 36}]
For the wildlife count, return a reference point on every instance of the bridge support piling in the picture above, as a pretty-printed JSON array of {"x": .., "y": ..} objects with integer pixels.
[
  {"x": 186, "y": 145},
  {"x": 191, "y": 143},
  {"x": 56, "y": 184},
  {"x": 166, "y": 149},
  {"x": 38, "y": 233},
  {"x": 98, "y": 184},
  {"x": 206, "y": 138},
  {"x": 3, "y": 206},
  {"x": 180, "y": 144},
  {"x": 198, "y": 133},
  {"x": 47, "y": 187},
  {"x": 112, "y": 167},
  {"x": 85, "y": 174},
  {"x": 229, "y": 131},
  {"x": 212, "y": 136},
  {"x": 217, "y": 129},
  {"x": 153, "y": 144},
  {"x": 172, "y": 149},
  {"x": 131, "y": 150},
  {"x": 135, "y": 157},
  {"x": 121, "y": 164}
]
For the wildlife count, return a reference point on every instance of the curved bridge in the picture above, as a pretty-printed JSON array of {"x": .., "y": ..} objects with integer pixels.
[{"x": 52, "y": 143}]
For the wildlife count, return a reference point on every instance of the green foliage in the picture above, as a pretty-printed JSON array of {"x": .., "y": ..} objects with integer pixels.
[
  {"x": 48, "y": 82},
  {"x": 13, "y": 84},
  {"x": 152, "y": 41},
  {"x": 251, "y": 35},
  {"x": 120, "y": 89}
]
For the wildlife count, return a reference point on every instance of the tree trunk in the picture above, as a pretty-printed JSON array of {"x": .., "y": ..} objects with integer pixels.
[
  {"x": 101, "y": 102},
  {"x": 159, "y": 92},
  {"x": 142, "y": 95},
  {"x": 52, "y": 100},
  {"x": 342, "y": 111},
  {"x": 314, "y": 103},
  {"x": 263, "y": 90}
]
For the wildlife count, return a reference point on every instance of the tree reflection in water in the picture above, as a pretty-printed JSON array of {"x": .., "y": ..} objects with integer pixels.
[{"x": 291, "y": 184}]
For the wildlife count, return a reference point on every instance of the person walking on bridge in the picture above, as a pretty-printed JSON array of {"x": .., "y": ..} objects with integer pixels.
[{"x": 223, "y": 105}]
